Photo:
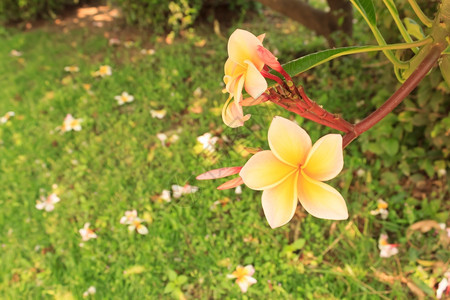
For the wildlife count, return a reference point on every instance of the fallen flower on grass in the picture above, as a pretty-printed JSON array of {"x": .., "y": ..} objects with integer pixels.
[
  {"x": 179, "y": 191},
  {"x": 47, "y": 203},
  {"x": 148, "y": 51},
  {"x": 165, "y": 140},
  {"x": 243, "y": 277},
  {"x": 128, "y": 44},
  {"x": 293, "y": 170},
  {"x": 165, "y": 196},
  {"x": 70, "y": 123},
  {"x": 6, "y": 117},
  {"x": 381, "y": 209},
  {"x": 124, "y": 98},
  {"x": 103, "y": 71},
  {"x": 71, "y": 69},
  {"x": 114, "y": 42},
  {"x": 207, "y": 142},
  {"x": 137, "y": 225},
  {"x": 158, "y": 114},
  {"x": 15, "y": 53},
  {"x": 90, "y": 291},
  {"x": 134, "y": 223},
  {"x": 444, "y": 286},
  {"x": 129, "y": 216},
  {"x": 87, "y": 233},
  {"x": 386, "y": 249}
]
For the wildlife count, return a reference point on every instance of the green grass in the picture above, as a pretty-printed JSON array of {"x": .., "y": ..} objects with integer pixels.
[{"x": 116, "y": 163}]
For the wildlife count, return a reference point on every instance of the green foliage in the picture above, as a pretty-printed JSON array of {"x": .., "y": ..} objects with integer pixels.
[
  {"x": 28, "y": 10},
  {"x": 175, "y": 15}
]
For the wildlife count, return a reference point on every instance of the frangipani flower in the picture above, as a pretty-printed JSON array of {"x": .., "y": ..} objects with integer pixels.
[
  {"x": 6, "y": 117},
  {"x": 124, "y": 98},
  {"x": 178, "y": 190},
  {"x": 294, "y": 169},
  {"x": 103, "y": 71},
  {"x": 129, "y": 216},
  {"x": 444, "y": 286},
  {"x": 386, "y": 249},
  {"x": 242, "y": 70},
  {"x": 208, "y": 141},
  {"x": 165, "y": 195},
  {"x": 243, "y": 277},
  {"x": 48, "y": 203},
  {"x": 148, "y": 51},
  {"x": 159, "y": 114},
  {"x": 90, "y": 291},
  {"x": 87, "y": 233},
  {"x": 15, "y": 53},
  {"x": 71, "y": 69},
  {"x": 136, "y": 224},
  {"x": 381, "y": 209},
  {"x": 70, "y": 123}
]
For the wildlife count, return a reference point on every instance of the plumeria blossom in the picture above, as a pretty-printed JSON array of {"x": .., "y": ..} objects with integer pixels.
[
  {"x": 208, "y": 142},
  {"x": 444, "y": 286},
  {"x": 71, "y": 69},
  {"x": 179, "y": 191},
  {"x": 129, "y": 216},
  {"x": 158, "y": 114},
  {"x": 386, "y": 249},
  {"x": 165, "y": 196},
  {"x": 148, "y": 51},
  {"x": 114, "y": 42},
  {"x": 6, "y": 117},
  {"x": 124, "y": 98},
  {"x": 48, "y": 203},
  {"x": 137, "y": 225},
  {"x": 15, "y": 53},
  {"x": 243, "y": 277},
  {"x": 381, "y": 209},
  {"x": 87, "y": 233},
  {"x": 70, "y": 123},
  {"x": 294, "y": 169},
  {"x": 242, "y": 70},
  {"x": 103, "y": 71},
  {"x": 90, "y": 291}
]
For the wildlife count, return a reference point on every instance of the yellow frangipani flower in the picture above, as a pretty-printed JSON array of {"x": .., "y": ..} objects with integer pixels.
[
  {"x": 294, "y": 169},
  {"x": 242, "y": 70}
]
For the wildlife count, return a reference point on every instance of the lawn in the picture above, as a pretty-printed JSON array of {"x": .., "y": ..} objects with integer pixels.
[{"x": 118, "y": 163}]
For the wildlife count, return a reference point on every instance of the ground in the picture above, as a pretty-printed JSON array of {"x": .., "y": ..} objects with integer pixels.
[{"x": 116, "y": 162}]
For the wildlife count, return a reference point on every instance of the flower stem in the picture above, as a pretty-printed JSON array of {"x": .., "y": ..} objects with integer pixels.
[{"x": 405, "y": 89}]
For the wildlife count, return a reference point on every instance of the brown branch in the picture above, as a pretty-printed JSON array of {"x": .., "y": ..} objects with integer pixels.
[{"x": 405, "y": 89}]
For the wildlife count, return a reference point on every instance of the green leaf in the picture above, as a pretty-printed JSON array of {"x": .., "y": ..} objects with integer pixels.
[
  {"x": 171, "y": 274},
  {"x": 169, "y": 288},
  {"x": 390, "y": 146},
  {"x": 413, "y": 28},
  {"x": 309, "y": 61},
  {"x": 366, "y": 8}
]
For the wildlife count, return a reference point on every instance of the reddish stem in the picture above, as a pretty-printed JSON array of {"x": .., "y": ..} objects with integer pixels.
[{"x": 405, "y": 89}]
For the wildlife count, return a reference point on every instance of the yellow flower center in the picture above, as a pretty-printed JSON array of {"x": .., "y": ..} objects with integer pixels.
[{"x": 240, "y": 273}]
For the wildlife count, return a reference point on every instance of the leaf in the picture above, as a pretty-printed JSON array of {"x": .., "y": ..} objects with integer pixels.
[
  {"x": 134, "y": 270},
  {"x": 219, "y": 173},
  {"x": 231, "y": 184},
  {"x": 390, "y": 146},
  {"x": 367, "y": 10},
  {"x": 172, "y": 275},
  {"x": 169, "y": 288},
  {"x": 309, "y": 61},
  {"x": 413, "y": 28},
  {"x": 423, "y": 226}
]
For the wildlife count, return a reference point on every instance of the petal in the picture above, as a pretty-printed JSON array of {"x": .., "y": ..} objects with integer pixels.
[
  {"x": 231, "y": 184},
  {"x": 232, "y": 114},
  {"x": 264, "y": 171},
  {"x": 279, "y": 202},
  {"x": 250, "y": 280},
  {"x": 320, "y": 199},
  {"x": 250, "y": 270},
  {"x": 242, "y": 46},
  {"x": 141, "y": 229},
  {"x": 233, "y": 69},
  {"x": 289, "y": 142},
  {"x": 325, "y": 160},
  {"x": 261, "y": 37},
  {"x": 255, "y": 83},
  {"x": 219, "y": 173}
]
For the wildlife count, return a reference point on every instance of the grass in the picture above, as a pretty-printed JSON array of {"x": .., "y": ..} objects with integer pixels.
[{"x": 116, "y": 163}]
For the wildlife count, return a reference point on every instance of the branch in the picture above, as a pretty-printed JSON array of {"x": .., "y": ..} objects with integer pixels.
[{"x": 405, "y": 89}]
